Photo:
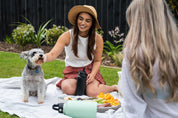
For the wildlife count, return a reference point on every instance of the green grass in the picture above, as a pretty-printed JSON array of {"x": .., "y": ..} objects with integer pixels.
[
  {"x": 7, "y": 115},
  {"x": 12, "y": 65}
]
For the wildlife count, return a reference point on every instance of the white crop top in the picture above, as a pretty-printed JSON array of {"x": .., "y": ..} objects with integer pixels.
[{"x": 82, "y": 59}]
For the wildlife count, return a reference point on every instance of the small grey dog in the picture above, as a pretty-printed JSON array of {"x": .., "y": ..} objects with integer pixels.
[{"x": 33, "y": 83}]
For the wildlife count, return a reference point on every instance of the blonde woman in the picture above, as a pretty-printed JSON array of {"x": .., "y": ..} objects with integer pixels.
[{"x": 150, "y": 65}]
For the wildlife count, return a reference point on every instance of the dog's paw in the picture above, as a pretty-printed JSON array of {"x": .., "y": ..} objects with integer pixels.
[
  {"x": 40, "y": 102},
  {"x": 25, "y": 100}
]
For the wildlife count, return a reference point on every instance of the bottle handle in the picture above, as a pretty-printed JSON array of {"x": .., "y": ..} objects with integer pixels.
[{"x": 58, "y": 107}]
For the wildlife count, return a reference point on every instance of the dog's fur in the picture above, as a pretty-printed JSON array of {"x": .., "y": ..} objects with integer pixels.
[{"x": 33, "y": 83}]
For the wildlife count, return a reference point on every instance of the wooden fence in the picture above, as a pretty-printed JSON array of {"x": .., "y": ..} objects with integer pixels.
[{"x": 111, "y": 13}]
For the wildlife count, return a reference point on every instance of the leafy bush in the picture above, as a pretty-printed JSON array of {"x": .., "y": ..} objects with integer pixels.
[
  {"x": 8, "y": 39},
  {"x": 118, "y": 57},
  {"x": 110, "y": 49},
  {"x": 23, "y": 34},
  {"x": 41, "y": 34},
  {"x": 53, "y": 34},
  {"x": 114, "y": 50}
]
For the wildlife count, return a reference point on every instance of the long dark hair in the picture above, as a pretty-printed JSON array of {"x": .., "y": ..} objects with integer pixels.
[{"x": 91, "y": 39}]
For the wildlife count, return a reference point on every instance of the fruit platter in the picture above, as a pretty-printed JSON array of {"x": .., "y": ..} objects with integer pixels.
[{"x": 104, "y": 101}]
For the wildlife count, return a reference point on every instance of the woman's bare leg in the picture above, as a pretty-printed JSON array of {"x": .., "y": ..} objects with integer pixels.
[
  {"x": 94, "y": 88},
  {"x": 68, "y": 86}
]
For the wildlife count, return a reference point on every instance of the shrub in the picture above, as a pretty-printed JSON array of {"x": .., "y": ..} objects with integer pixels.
[
  {"x": 110, "y": 49},
  {"x": 8, "y": 39},
  {"x": 23, "y": 33},
  {"x": 41, "y": 34},
  {"x": 114, "y": 50},
  {"x": 53, "y": 34},
  {"x": 118, "y": 57}
]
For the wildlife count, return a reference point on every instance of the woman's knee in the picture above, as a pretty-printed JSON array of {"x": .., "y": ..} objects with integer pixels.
[
  {"x": 68, "y": 88},
  {"x": 92, "y": 93},
  {"x": 92, "y": 90}
]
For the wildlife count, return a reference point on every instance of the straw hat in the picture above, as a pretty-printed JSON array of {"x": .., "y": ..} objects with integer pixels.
[{"x": 74, "y": 11}]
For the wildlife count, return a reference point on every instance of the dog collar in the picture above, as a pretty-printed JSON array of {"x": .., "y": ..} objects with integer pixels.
[{"x": 36, "y": 71}]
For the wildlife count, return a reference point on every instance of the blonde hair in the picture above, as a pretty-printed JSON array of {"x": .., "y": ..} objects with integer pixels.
[{"x": 153, "y": 36}]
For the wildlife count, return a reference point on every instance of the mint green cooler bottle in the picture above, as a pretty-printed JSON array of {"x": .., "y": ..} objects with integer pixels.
[{"x": 77, "y": 109}]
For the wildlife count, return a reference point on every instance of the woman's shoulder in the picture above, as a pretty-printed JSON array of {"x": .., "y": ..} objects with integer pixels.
[
  {"x": 99, "y": 37},
  {"x": 99, "y": 41},
  {"x": 67, "y": 33},
  {"x": 65, "y": 37}
]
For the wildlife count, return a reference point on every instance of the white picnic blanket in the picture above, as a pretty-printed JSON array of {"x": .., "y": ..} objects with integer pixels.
[{"x": 11, "y": 101}]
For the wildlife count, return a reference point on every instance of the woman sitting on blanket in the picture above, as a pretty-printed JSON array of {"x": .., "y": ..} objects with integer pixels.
[
  {"x": 83, "y": 48},
  {"x": 150, "y": 66}
]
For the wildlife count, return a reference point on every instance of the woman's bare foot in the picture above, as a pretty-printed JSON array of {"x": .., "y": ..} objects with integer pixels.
[{"x": 115, "y": 87}]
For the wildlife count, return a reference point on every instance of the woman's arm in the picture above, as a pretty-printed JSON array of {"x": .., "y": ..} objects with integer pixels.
[
  {"x": 63, "y": 41},
  {"x": 97, "y": 58}
]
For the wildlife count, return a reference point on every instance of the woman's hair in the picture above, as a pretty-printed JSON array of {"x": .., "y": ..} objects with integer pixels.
[
  {"x": 152, "y": 38},
  {"x": 91, "y": 39}
]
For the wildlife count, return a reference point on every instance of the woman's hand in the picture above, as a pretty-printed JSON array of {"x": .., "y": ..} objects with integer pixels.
[{"x": 90, "y": 78}]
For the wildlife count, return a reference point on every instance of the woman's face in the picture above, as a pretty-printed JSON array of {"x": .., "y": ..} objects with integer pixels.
[{"x": 84, "y": 22}]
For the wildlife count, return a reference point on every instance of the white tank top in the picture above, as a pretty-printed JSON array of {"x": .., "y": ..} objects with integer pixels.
[{"x": 82, "y": 59}]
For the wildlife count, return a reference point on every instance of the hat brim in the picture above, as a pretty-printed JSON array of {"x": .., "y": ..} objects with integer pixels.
[{"x": 74, "y": 11}]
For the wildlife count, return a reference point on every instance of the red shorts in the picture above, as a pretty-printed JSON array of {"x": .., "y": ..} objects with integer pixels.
[{"x": 72, "y": 73}]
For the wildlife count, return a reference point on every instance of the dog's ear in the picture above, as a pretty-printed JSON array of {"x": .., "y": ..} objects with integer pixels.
[{"x": 24, "y": 54}]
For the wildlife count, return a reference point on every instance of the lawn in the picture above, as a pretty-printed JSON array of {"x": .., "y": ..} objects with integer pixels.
[{"x": 12, "y": 65}]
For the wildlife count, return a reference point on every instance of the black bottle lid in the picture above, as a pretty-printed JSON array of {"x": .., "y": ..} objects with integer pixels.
[{"x": 83, "y": 74}]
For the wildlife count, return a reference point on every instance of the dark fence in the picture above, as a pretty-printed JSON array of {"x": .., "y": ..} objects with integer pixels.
[{"x": 111, "y": 13}]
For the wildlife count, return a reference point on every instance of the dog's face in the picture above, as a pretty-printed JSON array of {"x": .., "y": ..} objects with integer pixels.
[{"x": 36, "y": 56}]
